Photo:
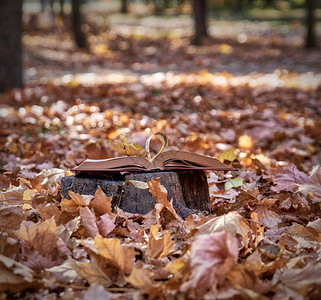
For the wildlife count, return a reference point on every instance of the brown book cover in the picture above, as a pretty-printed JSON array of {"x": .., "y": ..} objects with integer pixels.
[{"x": 164, "y": 160}]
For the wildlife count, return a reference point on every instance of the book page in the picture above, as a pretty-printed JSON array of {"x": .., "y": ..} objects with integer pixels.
[
  {"x": 123, "y": 163},
  {"x": 187, "y": 160}
]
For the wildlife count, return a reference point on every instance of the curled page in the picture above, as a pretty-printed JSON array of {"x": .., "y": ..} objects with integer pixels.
[{"x": 164, "y": 139}]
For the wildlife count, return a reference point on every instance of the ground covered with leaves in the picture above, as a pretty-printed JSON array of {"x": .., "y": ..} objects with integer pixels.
[{"x": 262, "y": 239}]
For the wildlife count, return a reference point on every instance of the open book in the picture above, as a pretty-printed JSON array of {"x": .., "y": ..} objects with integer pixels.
[{"x": 167, "y": 160}]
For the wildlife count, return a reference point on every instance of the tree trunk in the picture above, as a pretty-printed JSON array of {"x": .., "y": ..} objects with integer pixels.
[
  {"x": 187, "y": 189},
  {"x": 80, "y": 38},
  {"x": 310, "y": 19},
  {"x": 10, "y": 44},
  {"x": 124, "y": 6},
  {"x": 200, "y": 21}
]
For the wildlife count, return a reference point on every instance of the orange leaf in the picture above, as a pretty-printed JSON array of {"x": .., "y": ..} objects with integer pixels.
[{"x": 101, "y": 203}]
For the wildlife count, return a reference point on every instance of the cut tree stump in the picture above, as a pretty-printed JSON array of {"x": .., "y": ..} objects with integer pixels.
[{"x": 188, "y": 189}]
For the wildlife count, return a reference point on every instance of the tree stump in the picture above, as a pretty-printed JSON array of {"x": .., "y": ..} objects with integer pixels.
[{"x": 188, "y": 189}]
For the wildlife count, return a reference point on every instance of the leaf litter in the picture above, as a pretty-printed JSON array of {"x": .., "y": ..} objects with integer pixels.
[{"x": 262, "y": 237}]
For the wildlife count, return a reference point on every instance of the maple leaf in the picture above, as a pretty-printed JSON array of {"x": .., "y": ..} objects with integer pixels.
[
  {"x": 159, "y": 247},
  {"x": 263, "y": 213},
  {"x": 287, "y": 178},
  {"x": 313, "y": 186},
  {"x": 101, "y": 203},
  {"x": 72, "y": 206},
  {"x": 88, "y": 220},
  {"x": 120, "y": 256},
  {"x": 40, "y": 241},
  {"x": 212, "y": 257},
  {"x": 126, "y": 148},
  {"x": 232, "y": 222}
]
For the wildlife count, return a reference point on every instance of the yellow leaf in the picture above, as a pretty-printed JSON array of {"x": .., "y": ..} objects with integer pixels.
[
  {"x": 126, "y": 148},
  {"x": 229, "y": 155},
  {"x": 120, "y": 256}
]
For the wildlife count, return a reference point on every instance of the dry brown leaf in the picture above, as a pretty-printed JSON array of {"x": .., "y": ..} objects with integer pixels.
[
  {"x": 72, "y": 206},
  {"x": 106, "y": 224},
  {"x": 212, "y": 258},
  {"x": 42, "y": 248},
  {"x": 11, "y": 217},
  {"x": 14, "y": 276},
  {"x": 91, "y": 272},
  {"x": 48, "y": 211},
  {"x": 287, "y": 178},
  {"x": 159, "y": 247},
  {"x": 14, "y": 194},
  {"x": 120, "y": 256},
  {"x": 232, "y": 222},
  {"x": 101, "y": 203},
  {"x": 88, "y": 220},
  {"x": 313, "y": 187}
]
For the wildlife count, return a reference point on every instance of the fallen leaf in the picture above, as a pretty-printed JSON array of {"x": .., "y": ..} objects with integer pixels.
[
  {"x": 233, "y": 183},
  {"x": 120, "y": 256},
  {"x": 212, "y": 258},
  {"x": 88, "y": 220},
  {"x": 72, "y": 206},
  {"x": 91, "y": 272},
  {"x": 313, "y": 186},
  {"x": 101, "y": 203},
  {"x": 159, "y": 247},
  {"x": 14, "y": 276},
  {"x": 231, "y": 222},
  {"x": 11, "y": 217},
  {"x": 287, "y": 178}
]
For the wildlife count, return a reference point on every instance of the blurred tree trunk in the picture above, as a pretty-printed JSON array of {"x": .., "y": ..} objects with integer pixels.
[
  {"x": 10, "y": 44},
  {"x": 200, "y": 20},
  {"x": 239, "y": 8},
  {"x": 62, "y": 3},
  {"x": 310, "y": 20},
  {"x": 124, "y": 7},
  {"x": 80, "y": 38}
]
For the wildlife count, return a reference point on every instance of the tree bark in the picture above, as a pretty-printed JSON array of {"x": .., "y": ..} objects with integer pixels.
[
  {"x": 10, "y": 44},
  {"x": 80, "y": 38},
  {"x": 310, "y": 20},
  {"x": 200, "y": 21}
]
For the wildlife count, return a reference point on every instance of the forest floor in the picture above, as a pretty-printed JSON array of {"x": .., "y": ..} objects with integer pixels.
[{"x": 250, "y": 95}]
